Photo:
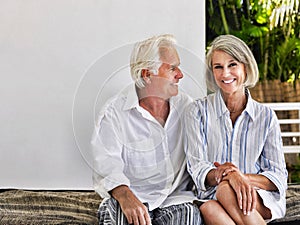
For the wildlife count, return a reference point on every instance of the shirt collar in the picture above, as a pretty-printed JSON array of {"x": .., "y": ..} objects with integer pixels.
[
  {"x": 131, "y": 98},
  {"x": 222, "y": 109},
  {"x": 220, "y": 104},
  {"x": 250, "y": 105},
  {"x": 132, "y": 101}
]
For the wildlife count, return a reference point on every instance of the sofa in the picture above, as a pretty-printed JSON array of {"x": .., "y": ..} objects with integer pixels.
[{"x": 35, "y": 207}]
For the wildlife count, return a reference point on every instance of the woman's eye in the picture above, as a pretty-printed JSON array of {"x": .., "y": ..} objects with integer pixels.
[
  {"x": 232, "y": 64},
  {"x": 217, "y": 67}
]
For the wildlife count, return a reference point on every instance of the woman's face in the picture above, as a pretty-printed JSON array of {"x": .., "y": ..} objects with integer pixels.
[{"x": 228, "y": 72}]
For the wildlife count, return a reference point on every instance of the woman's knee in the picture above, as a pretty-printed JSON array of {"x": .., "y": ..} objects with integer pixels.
[
  {"x": 224, "y": 190},
  {"x": 209, "y": 207}
]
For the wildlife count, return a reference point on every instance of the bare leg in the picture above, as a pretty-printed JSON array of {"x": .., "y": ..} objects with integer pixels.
[
  {"x": 227, "y": 198},
  {"x": 263, "y": 210},
  {"x": 214, "y": 214}
]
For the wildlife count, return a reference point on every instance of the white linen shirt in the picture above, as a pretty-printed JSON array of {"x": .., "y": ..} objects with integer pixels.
[
  {"x": 253, "y": 144},
  {"x": 131, "y": 148}
]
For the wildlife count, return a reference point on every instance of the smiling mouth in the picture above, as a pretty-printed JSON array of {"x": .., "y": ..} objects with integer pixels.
[{"x": 228, "y": 81}]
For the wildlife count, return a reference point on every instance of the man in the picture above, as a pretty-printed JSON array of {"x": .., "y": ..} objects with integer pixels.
[{"x": 140, "y": 166}]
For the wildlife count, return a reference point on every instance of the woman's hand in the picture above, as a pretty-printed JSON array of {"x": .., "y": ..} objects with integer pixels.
[
  {"x": 245, "y": 193},
  {"x": 223, "y": 169}
]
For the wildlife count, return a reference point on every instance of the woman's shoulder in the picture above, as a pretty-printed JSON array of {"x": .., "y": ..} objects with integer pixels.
[
  {"x": 206, "y": 100},
  {"x": 259, "y": 111},
  {"x": 261, "y": 107},
  {"x": 201, "y": 105}
]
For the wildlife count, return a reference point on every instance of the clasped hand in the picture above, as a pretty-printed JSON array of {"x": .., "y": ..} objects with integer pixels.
[{"x": 245, "y": 193}]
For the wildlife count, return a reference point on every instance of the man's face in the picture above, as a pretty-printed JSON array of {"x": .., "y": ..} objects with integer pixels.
[{"x": 166, "y": 81}]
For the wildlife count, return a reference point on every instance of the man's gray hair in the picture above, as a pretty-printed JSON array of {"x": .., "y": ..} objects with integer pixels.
[{"x": 146, "y": 55}]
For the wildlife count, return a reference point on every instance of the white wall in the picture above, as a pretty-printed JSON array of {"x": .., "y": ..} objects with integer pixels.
[{"x": 58, "y": 62}]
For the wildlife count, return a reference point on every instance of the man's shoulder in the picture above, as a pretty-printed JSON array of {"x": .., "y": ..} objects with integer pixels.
[
  {"x": 113, "y": 107},
  {"x": 125, "y": 98}
]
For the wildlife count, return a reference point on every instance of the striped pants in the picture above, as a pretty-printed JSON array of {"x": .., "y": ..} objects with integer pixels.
[{"x": 110, "y": 213}]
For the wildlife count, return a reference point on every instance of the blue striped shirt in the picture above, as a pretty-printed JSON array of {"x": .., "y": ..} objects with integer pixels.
[{"x": 253, "y": 143}]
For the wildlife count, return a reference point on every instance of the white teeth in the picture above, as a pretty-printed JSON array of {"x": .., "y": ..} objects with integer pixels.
[{"x": 228, "y": 81}]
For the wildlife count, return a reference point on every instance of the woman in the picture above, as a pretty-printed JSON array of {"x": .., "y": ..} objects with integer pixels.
[{"x": 233, "y": 143}]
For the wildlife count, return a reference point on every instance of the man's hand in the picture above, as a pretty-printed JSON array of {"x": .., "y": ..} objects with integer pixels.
[{"x": 134, "y": 210}]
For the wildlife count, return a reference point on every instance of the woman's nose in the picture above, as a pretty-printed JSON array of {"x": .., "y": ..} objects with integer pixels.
[{"x": 226, "y": 71}]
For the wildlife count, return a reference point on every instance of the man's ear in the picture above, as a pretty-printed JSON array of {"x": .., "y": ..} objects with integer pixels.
[{"x": 146, "y": 75}]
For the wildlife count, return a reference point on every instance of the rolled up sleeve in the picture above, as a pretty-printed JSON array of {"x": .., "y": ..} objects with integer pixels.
[
  {"x": 107, "y": 149},
  {"x": 272, "y": 160}
]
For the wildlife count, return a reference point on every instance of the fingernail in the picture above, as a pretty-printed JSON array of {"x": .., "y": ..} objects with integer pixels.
[
  {"x": 245, "y": 213},
  {"x": 248, "y": 213}
]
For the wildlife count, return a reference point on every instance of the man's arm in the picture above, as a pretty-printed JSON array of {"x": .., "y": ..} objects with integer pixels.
[{"x": 134, "y": 210}]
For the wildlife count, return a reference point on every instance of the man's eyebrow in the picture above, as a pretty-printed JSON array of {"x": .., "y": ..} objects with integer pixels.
[{"x": 175, "y": 65}]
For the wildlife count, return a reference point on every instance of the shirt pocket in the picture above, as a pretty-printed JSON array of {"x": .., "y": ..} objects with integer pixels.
[{"x": 141, "y": 159}]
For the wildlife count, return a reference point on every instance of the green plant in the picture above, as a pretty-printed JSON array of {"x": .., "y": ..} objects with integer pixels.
[{"x": 295, "y": 174}]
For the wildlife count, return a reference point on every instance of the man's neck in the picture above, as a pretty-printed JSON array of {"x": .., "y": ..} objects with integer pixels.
[{"x": 158, "y": 107}]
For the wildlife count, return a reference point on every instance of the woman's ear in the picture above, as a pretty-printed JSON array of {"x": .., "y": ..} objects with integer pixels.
[{"x": 146, "y": 76}]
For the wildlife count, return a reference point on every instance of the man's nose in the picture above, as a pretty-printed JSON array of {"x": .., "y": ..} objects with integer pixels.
[{"x": 179, "y": 74}]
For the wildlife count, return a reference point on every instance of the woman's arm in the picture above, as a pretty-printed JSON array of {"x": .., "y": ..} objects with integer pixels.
[
  {"x": 261, "y": 182},
  {"x": 195, "y": 145},
  {"x": 271, "y": 161},
  {"x": 245, "y": 186}
]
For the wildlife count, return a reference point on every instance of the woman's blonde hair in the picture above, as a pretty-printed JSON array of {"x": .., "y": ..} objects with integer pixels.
[{"x": 238, "y": 49}]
